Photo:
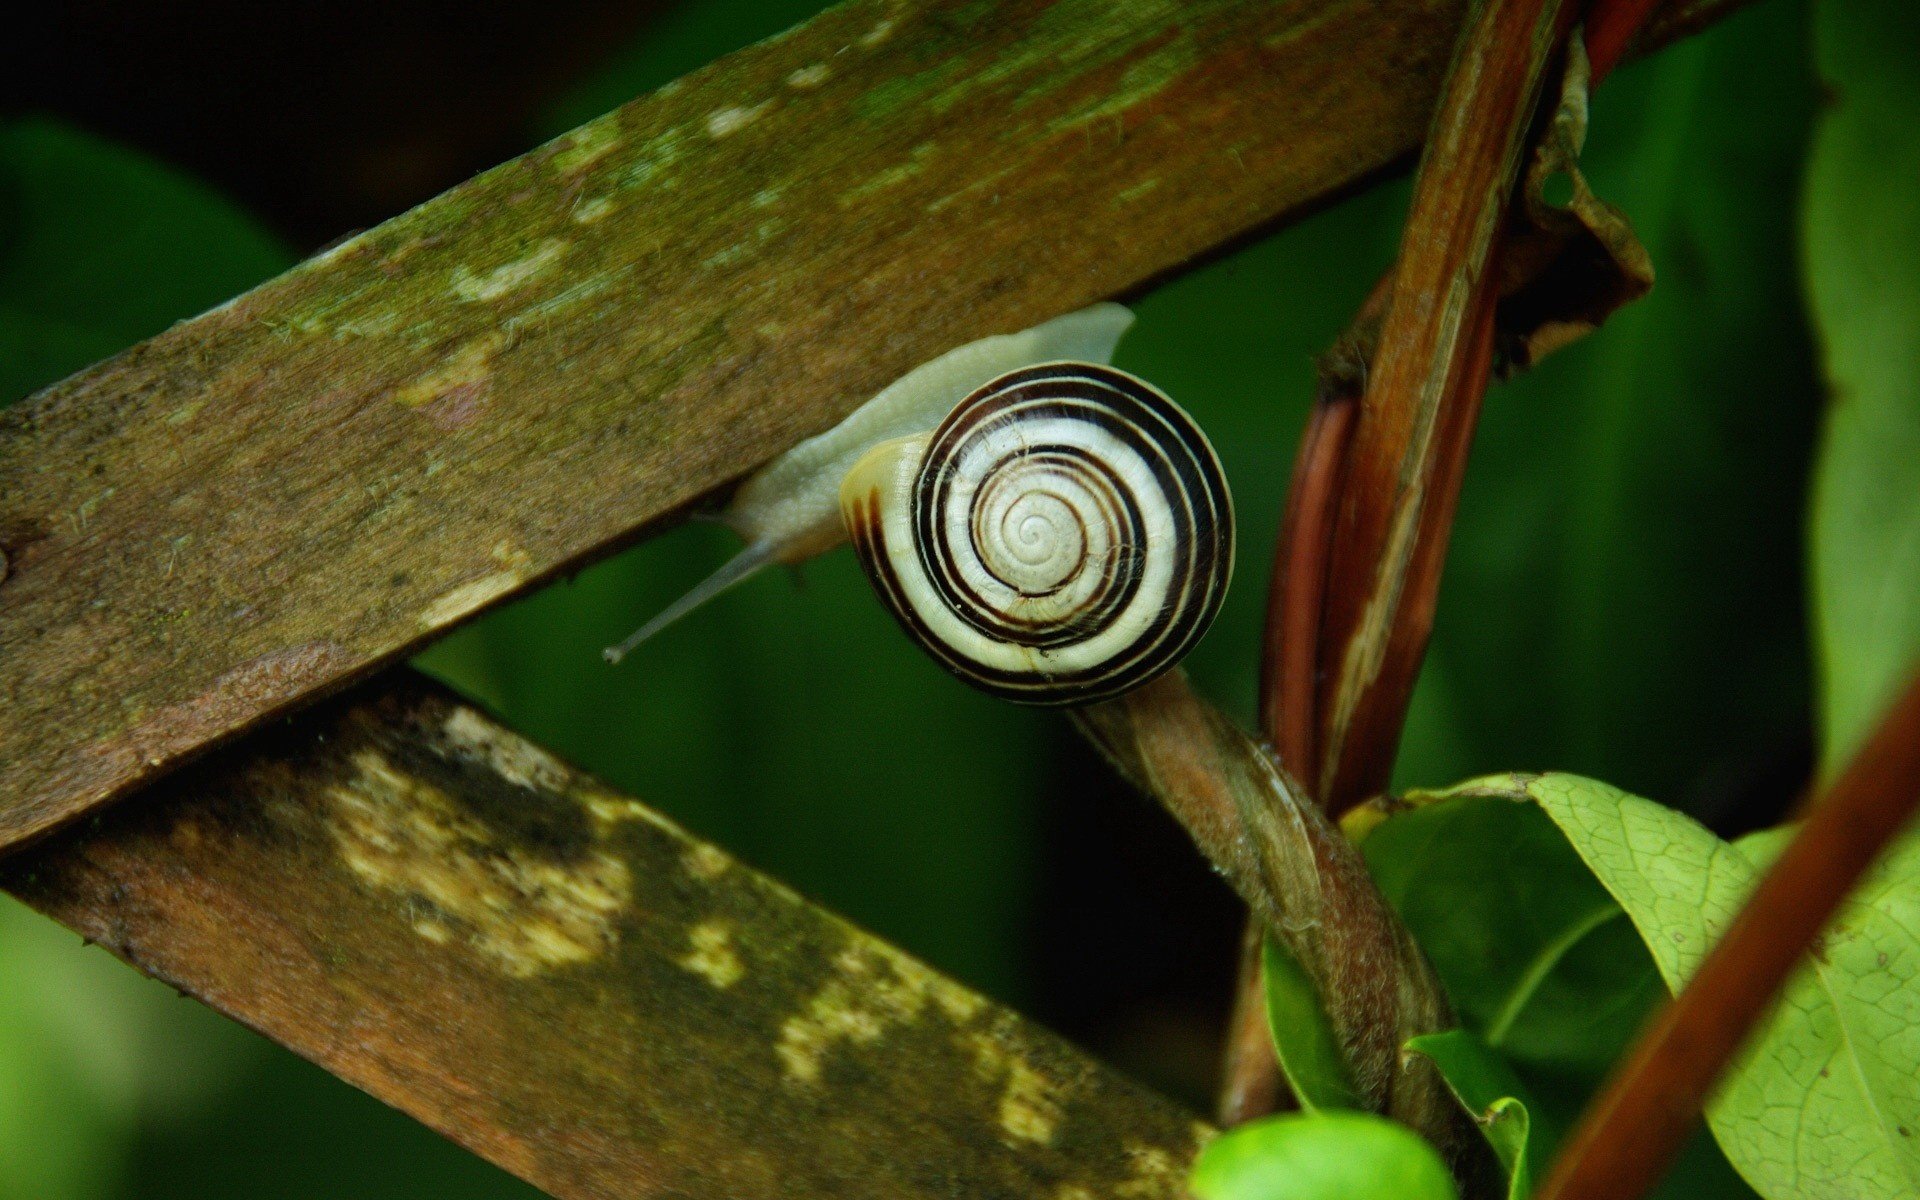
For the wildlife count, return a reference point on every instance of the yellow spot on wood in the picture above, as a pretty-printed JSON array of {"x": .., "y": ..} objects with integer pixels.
[
  {"x": 1029, "y": 1108},
  {"x": 512, "y": 758},
  {"x": 809, "y": 76},
  {"x": 724, "y": 121},
  {"x": 705, "y": 862},
  {"x": 1154, "y": 1174},
  {"x": 874, "y": 988},
  {"x": 712, "y": 956},
  {"x": 374, "y": 324},
  {"x": 587, "y": 211},
  {"x": 457, "y": 884},
  {"x": 470, "y": 286},
  {"x": 586, "y": 146},
  {"x": 464, "y": 372},
  {"x": 467, "y": 598}
]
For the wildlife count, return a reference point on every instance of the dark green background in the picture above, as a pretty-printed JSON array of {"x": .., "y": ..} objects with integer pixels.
[{"x": 1624, "y": 599}]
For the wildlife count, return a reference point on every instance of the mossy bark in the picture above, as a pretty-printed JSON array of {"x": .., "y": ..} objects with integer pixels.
[{"x": 560, "y": 979}]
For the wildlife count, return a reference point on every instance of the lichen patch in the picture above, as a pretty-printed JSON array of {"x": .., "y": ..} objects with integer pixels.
[
  {"x": 873, "y": 989},
  {"x": 457, "y": 390},
  {"x": 586, "y": 146},
  {"x": 712, "y": 956},
  {"x": 470, "y": 286},
  {"x": 705, "y": 862},
  {"x": 458, "y": 884},
  {"x": 724, "y": 121},
  {"x": 810, "y": 76},
  {"x": 512, "y": 758},
  {"x": 1030, "y": 1106},
  {"x": 1153, "y": 1174},
  {"x": 591, "y": 209}
]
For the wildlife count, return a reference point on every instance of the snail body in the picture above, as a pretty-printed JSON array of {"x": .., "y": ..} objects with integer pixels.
[
  {"x": 789, "y": 510},
  {"x": 1049, "y": 528}
]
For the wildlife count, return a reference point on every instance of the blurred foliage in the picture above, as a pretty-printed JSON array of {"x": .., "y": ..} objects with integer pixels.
[
  {"x": 1863, "y": 277},
  {"x": 89, "y": 1053},
  {"x": 1624, "y": 597},
  {"x": 102, "y": 248},
  {"x": 1321, "y": 1156}
]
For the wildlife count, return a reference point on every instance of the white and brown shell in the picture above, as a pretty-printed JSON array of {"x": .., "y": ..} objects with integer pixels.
[{"x": 1063, "y": 536}]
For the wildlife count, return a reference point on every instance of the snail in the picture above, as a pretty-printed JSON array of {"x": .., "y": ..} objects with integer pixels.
[{"x": 1051, "y": 529}]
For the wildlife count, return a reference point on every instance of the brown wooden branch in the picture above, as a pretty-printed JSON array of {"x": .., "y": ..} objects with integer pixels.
[
  {"x": 559, "y": 979},
  {"x": 1632, "y": 1131},
  {"x": 1304, "y": 881},
  {"x": 267, "y": 502}
]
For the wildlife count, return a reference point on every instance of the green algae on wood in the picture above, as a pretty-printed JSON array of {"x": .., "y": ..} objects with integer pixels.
[{"x": 563, "y": 981}]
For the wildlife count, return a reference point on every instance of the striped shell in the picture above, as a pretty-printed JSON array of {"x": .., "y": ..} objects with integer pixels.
[{"x": 1063, "y": 536}]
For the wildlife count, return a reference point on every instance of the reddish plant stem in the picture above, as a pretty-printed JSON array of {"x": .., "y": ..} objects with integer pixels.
[
  {"x": 1611, "y": 27},
  {"x": 1292, "y": 667},
  {"x": 1251, "y": 1082},
  {"x": 1290, "y": 664},
  {"x": 1631, "y": 1132},
  {"x": 1461, "y": 193},
  {"x": 1392, "y": 522},
  {"x": 1409, "y": 445}
]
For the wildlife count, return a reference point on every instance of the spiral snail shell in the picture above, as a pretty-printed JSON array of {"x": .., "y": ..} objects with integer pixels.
[{"x": 1062, "y": 534}]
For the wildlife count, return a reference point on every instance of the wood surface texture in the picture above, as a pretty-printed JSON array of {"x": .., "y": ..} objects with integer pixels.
[
  {"x": 560, "y": 979},
  {"x": 267, "y": 502}
]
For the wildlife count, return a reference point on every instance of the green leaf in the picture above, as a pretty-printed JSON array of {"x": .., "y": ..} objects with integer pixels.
[
  {"x": 1539, "y": 960},
  {"x": 1825, "y": 1104},
  {"x": 1494, "y": 1096},
  {"x": 1303, "y": 1038},
  {"x": 1862, "y": 253},
  {"x": 1321, "y": 1156},
  {"x": 103, "y": 247},
  {"x": 1763, "y": 846}
]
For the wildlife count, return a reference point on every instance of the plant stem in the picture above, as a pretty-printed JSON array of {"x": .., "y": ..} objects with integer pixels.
[
  {"x": 1423, "y": 394},
  {"x": 1304, "y": 881},
  {"x": 1631, "y": 1132},
  {"x": 1295, "y": 655}
]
